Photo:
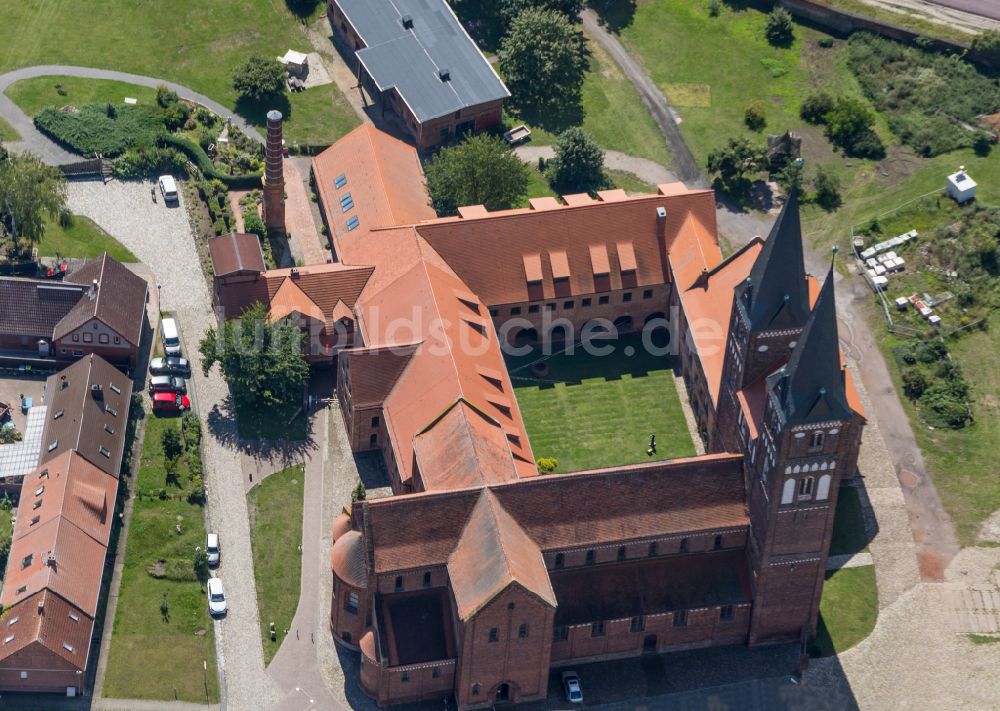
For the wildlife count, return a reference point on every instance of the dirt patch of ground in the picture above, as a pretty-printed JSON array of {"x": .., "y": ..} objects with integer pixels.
[{"x": 898, "y": 165}]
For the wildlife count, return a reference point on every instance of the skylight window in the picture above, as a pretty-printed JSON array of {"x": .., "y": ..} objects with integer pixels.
[
  {"x": 40, "y": 490},
  {"x": 68, "y": 647},
  {"x": 346, "y": 203},
  {"x": 13, "y": 621},
  {"x": 8, "y": 639},
  {"x": 352, "y": 224},
  {"x": 105, "y": 451},
  {"x": 110, "y": 410},
  {"x": 75, "y": 617},
  {"x": 53, "y": 444},
  {"x": 340, "y": 181},
  {"x": 116, "y": 389}
]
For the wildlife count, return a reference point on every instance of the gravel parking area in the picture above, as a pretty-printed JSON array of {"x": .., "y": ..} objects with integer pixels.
[{"x": 160, "y": 236}]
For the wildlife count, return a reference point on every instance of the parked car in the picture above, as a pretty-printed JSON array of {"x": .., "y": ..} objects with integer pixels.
[
  {"x": 171, "y": 365},
  {"x": 168, "y": 187},
  {"x": 213, "y": 550},
  {"x": 170, "y": 402},
  {"x": 171, "y": 337},
  {"x": 571, "y": 683},
  {"x": 216, "y": 597},
  {"x": 167, "y": 384}
]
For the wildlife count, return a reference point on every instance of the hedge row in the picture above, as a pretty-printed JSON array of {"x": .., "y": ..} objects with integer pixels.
[
  {"x": 102, "y": 128},
  {"x": 207, "y": 168}
]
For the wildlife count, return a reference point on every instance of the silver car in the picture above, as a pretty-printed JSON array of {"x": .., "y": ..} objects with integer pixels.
[
  {"x": 212, "y": 549},
  {"x": 216, "y": 598}
]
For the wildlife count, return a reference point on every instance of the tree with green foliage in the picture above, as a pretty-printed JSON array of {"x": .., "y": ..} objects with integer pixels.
[
  {"x": 29, "y": 190},
  {"x": 754, "y": 116},
  {"x": 987, "y": 45},
  {"x": 827, "y": 187},
  {"x": 849, "y": 125},
  {"x": 261, "y": 359},
  {"x": 778, "y": 27},
  {"x": 172, "y": 444},
  {"x": 578, "y": 165},
  {"x": 543, "y": 60},
  {"x": 200, "y": 564},
  {"x": 511, "y": 9},
  {"x": 547, "y": 465},
  {"x": 259, "y": 78},
  {"x": 734, "y": 162},
  {"x": 253, "y": 223},
  {"x": 790, "y": 177},
  {"x": 816, "y": 106},
  {"x": 481, "y": 170}
]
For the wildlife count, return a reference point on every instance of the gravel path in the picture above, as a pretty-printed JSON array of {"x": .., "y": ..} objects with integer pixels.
[
  {"x": 161, "y": 237},
  {"x": 34, "y": 140},
  {"x": 646, "y": 170}
]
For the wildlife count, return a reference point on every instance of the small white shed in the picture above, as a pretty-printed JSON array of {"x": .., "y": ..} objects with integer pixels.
[{"x": 960, "y": 186}]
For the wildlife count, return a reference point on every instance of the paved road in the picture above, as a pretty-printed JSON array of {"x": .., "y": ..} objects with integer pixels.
[
  {"x": 127, "y": 213},
  {"x": 33, "y": 140},
  {"x": 646, "y": 170},
  {"x": 983, "y": 8},
  {"x": 651, "y": 95}
]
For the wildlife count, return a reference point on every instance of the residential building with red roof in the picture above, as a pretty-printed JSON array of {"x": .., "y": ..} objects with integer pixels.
[
  {"x": 479, "y": 575},
  {"x": 62, "y": 530}
]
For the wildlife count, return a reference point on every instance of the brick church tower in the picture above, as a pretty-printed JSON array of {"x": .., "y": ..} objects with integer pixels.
[
  {"x": 784, "y": 405},
  {"x": 274, "y": 178}
]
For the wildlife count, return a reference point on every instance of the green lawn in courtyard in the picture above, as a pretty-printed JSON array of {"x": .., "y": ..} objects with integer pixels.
[
  {"x": 275, "y": 507},
  {"x": 83, "y": 239},
  {"x": 34, "y": 95},
  {"x": 196, "y": 43},
  {"x": 268, "y": 424},
  {"x": 847, "y": 611},
  {"x": 849, "y": 535},
  {"x": 154, "y": 656},
  {"x": 593, "y": 411}
]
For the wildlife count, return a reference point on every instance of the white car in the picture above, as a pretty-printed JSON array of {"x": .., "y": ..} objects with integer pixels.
[
  {"x": 212, "y": 549},
  {"x": 216, "y": 597},
  {"x": 571, "y": 683}
]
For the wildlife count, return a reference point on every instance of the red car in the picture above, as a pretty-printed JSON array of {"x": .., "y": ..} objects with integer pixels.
[{"x": 170, "y": 402}]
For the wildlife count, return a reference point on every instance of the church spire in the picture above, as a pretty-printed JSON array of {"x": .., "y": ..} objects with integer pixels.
[
  {"x": 811, "y": 385},
  {"x": 775, "y": 294}
]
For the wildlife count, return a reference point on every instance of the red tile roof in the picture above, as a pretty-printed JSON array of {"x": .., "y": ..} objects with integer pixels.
[
  {"x": 118, "y": 301},
  {"x": 498, "y": 253},
  {"x": 236, "y": 253},
  {"x": 608, "y": 505},
  {"x": 462, "y": 448},
  {"x": 492, "y": 554},
  {"x": 384, "y": 179},
  {"x": 372, "y": 372},
  {"x": 47, "y": 620}
]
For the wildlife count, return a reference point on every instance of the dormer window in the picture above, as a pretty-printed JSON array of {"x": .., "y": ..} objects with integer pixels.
[{"x": 816, "y": 440}]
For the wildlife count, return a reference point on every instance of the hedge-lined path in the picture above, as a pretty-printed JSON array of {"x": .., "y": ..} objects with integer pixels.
[{"x": 52, "y": 153}]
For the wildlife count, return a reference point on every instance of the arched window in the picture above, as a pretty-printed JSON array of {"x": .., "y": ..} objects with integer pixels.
[
  {"x": 788, "y": 493},
  {"x": 823, "y": 490},
  {"x": 806, "y": 487}
]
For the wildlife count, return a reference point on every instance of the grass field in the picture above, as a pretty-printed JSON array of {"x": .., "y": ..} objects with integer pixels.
[
  {"x": 196, "y": 44},
  {"x": 33, "y": 95},
  {"x": 7, "y": 132},
  {"x": 155, "y": 656},
  {"x": 82, "y": 240},
  {"x": 847, "y": 611},
  {"x": 591, "y": 412},
  {"x": 275, "y": 507}
]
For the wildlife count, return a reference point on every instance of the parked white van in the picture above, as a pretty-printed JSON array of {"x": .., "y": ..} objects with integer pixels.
[
  {"x": 168, "y": 186},
  {"x": 171, "y": 337}
]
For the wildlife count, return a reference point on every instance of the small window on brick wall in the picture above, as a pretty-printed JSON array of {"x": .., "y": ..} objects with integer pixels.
[
  {"x": 560, "y": 633},
  {"x": 494, "y": 634},
  {"x": 681, "y": 618},
  {"x": 399, "y": 583},
  {"x": 597, "y": 629},
  {"x": 726, "y": 612},
  {"x": 522, "y": 631}
]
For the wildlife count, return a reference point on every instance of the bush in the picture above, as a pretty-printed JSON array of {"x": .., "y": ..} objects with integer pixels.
[
  {"x": 778, "y": 27},
  {"x": 207, "y": 168},
  {"x": 148, "y": 161},
  {"x": 253, "y": 223},
  {"x": 165, "y": 96},
  {"x": 547, "y": 465},
  {"x": 849, "y": 125},
  {"x": 931, "y": 351},
  {"x": 914, "y": 383},
  {"x": 987, "y": 45},
  {"x": 172, "y": 444},
  {"x": 827, "y": 189},
  {"x": 754, "y": 116},
  {"x": 816, "y": 106},
  {"x": 941, "y": 406},
  {"x": 200, "y": 565},
  {"x": 191, "y": 430},
  {"x": 102, "y": 129},
  {"x": 359, "y": 493},
  {"x": 825, "y": 42},
  {"x": 714, "y": 8},
  {"x": 197, "y": 494}
]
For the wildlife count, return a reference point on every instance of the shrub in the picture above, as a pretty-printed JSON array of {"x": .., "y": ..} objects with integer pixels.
[
  {"x": 147, "y": 161},
  {"x": 914, "y": 383},
  {"x": 754, "y": 116},
  {"x": 827, "y": 189},
  {"x": 207, "y": 168},
  {"x": 547, "y": 465},
  {"x": 931, "y": 351},
  {"x": 816, "y": 106},
  {"x": 165, "y": 96},
  {"x": 191, "y": 430},
  {"x": 982, "y": 143},
  {"x": 987, "y": 45},
  {"x": 778, "y": 27},
  {"x": 825, "y": 42},
  {"x": 359, "y": 493},
  {"x": 197, "y": 494},
  {"x": 172, "y": 444},
  {"x": 200, "y": 565},
  {"x": 849, "y": 125},
  {"x": 65, "y": 218},
  {"x": 253, "y": 223},
  {"x": 941, "y": 406},
  {"x": 714, "y": 8},
  {"x": 100, "y": 128}
]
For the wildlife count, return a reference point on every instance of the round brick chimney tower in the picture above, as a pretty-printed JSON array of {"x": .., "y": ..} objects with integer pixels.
[{"x": 274, "y": 179}]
